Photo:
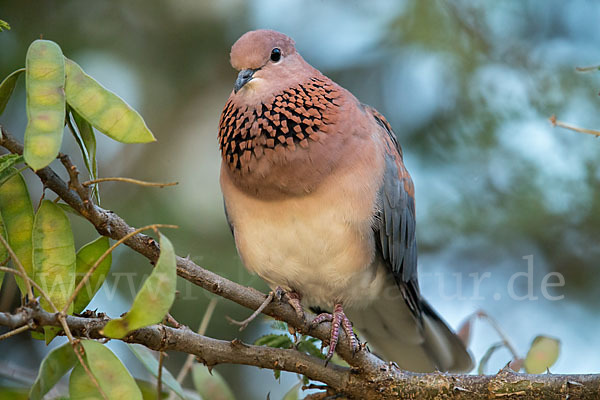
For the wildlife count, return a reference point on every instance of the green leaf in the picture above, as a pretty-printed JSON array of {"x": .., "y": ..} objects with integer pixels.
[
  {"x": 4, "y": 26},
  {"x": 154, "y": 299},
  {"x": 275, "y": 340},
  {"x": 112, "y": 376},
  {"x": 50, "y": 333},
  {"x": 210, "y": 384},
  {"x": 54, "y": 254},
  {"x": 307, "y": 345},
  {"x": 7, "y": 161},
  {"x": 147, "y": 359},
  {"x": 106, "y": 111},
  {"x": 56, "y": 364},
  {"x": 17, "y": 214},
  {"x": 86, "y": 258},
  {"x": 293, "y": 393},
  {"x": 542, "y": 354},
  {"x": 87, "y": 143},
  {"x": 7, "y": 87},
  {"x": 486, "y": 357},
  {"x": 279, "y": 326},
  {"x": 81, "y": 386},
  {"x": 46, "y": 107}
]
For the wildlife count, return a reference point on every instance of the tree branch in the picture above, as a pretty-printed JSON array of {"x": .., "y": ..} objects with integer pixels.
[
  {"x": 388, "y": 383},
  {"x": 367, "y": 378}
]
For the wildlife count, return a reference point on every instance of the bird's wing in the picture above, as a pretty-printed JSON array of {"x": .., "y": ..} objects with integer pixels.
[{"x": 395, "y": 220}]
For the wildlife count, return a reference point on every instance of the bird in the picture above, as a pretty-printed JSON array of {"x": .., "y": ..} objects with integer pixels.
[{"x": 322, "y": 207}]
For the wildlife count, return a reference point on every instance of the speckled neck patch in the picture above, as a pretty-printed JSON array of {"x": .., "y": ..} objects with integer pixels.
[{"x": 295, "y": 116}]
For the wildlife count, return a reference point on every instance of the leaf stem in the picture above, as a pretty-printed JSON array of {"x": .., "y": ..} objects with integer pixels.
[
  {"x": 556, "y": 122},
  {"x": 14, "y": 332},
  {"x": 129, "y": 180}
]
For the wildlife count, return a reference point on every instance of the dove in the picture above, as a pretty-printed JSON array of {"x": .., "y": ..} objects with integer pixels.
[{"x": 322, "y": 207}]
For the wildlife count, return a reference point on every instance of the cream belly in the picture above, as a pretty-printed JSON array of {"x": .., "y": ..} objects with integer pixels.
[{"x": 320, "y": 245}]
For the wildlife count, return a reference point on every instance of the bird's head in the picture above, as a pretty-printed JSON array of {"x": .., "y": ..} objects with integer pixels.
[
  {"x": 275, "y": 131},
  {"x": 267, "y": 61}
]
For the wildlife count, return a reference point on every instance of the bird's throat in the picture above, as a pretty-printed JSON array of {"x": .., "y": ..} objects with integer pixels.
[{"x": 277, "y": 126}]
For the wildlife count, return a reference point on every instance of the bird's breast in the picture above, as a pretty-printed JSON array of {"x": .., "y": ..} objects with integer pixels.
[{"x": 319, "y": 244}]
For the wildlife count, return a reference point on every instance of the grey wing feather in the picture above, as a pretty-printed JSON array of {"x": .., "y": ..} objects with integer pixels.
[{"x": 395, "y": 222}]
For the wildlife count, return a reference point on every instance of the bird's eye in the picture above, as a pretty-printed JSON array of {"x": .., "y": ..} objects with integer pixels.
[{"x": 275, "y": 54}]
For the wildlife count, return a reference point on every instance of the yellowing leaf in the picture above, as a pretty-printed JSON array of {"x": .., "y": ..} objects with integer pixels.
[
  {"x": 53, "y": 254},
  {"x": 56, "y": 364},
  {"x": 7, "y": 87},
  {"x": 17, "y": 214},
  {"x": 112, "y": 376},
  {"x": 154, "y": 299},
  {"x": 106, "y": 111},
  {"x": 542, "y": 354},
  {"x": 46, "y": 107},
  {"x": 86, "y": 258}
]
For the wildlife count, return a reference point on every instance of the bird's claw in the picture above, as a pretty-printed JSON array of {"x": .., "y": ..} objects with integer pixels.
[
  {"x": 293, "y": 299},
  {"x": 338, "y": 319}
]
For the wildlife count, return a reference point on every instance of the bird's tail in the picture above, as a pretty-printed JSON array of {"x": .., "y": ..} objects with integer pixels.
[{"x": 392, "y": 332}]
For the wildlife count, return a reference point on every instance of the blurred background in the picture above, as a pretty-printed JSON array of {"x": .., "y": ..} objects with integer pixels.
[{"x": 468, "y": 88}]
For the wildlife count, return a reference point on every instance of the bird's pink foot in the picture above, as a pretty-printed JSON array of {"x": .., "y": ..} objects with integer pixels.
[
  {"x": 337, "y": 319},
  {"x": 293, "y": 299}
]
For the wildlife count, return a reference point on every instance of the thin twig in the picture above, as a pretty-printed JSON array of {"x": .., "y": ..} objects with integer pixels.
[
  {"x": 588, "y": 69},
  {"x": 129, "y": 180},
  {"x": 19, "y": 266},
  {"x": 243, "y": 324},
  {"x": 189, "y": 361},
  {"x": 500, "y": 332},
  {"x": 556, "y": 122},
  {"x": 14, "y": 332},
  {"x": 86, "y": 277},
  {"x": 83, "y": 192},
  {"x": 161, "y": 358},
  {"x": 207, "y": 316}
]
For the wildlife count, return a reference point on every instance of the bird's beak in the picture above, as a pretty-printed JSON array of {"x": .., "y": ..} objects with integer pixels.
[{"x": 244, "y": 77}]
